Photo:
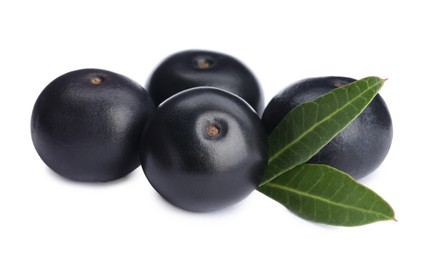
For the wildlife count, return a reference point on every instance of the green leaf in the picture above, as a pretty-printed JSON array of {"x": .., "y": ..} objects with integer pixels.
[
  {"x": 326, "y": 195},
  {"x": 311, "y": 125}
]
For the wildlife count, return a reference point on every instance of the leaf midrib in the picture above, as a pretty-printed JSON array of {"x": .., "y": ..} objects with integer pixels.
[
  {"x": 305, "y": 194},
  {"x": 272, "y": 158}
]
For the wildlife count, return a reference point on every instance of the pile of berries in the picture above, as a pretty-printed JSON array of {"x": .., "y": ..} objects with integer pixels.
[{"x": 198, "y": 128}]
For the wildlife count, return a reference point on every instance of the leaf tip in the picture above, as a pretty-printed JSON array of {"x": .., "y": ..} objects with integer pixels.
[{"x": 385, "y": 79}]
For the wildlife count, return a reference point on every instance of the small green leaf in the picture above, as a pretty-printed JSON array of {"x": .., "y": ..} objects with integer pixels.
[
  {"x": 311, "y": 125},
  {"x": 326, "y": 195}
]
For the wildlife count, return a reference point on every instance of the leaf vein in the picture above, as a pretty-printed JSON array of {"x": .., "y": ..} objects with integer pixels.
[{"x": 327, "y": 201}]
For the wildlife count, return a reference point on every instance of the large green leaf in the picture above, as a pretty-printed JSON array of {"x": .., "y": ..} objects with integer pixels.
[
  {"x": 326, "y": 195},
  {"x": 311, "y": 125}
]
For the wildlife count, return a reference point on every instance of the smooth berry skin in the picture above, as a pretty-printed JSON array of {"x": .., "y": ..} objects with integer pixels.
[
  {"x": 86, "y": 125},
  {"x": 194, "y": 68},
  {"x": 357, "y": 150},
  {"x": 205, "y": 149}
]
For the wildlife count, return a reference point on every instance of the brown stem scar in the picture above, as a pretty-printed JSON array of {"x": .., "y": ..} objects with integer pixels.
[
  {"x": 212, "y": 130},
  {"x": 96, "y": 80},
  {"x": 204, "y": 62}
]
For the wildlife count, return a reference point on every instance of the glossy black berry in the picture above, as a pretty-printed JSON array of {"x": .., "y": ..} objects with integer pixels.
[
  {"x": 360, "y": 148},
  {"x": 194, "y": 68},
  {"x": 86, "y": 125},
  {"x": 204, "y": 149}
]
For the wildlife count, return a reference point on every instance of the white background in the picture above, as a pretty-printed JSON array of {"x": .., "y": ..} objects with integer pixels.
[{"x": 43, "y": 216}]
